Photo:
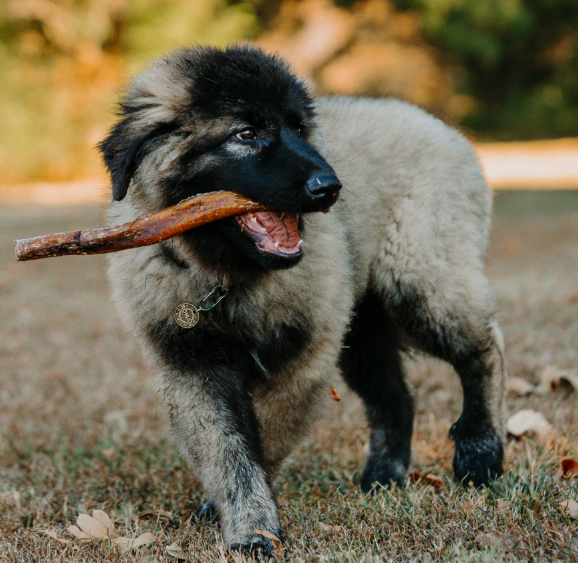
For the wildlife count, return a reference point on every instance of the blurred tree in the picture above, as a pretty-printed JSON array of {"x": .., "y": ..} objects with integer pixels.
[
  {"x": 518, "y": 58},
  {"x": 504, "y": 68},
  {"x": 64, "y": 60}
]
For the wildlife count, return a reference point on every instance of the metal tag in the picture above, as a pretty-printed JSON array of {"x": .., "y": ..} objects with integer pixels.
[{"x": 186, "y": 315}]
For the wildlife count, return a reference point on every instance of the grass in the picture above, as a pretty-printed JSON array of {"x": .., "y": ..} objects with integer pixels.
[{"x": 82, "y": 427}]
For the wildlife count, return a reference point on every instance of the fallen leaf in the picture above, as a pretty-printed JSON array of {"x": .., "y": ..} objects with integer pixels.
[
  {"x": 553, "y": 378},
  {"x": 53, "y": 535},
  {"x": 77, "y": 533},
  {"x": 325, "y": 528},
  {"x": 175, "y": 550},
  {"x": 570, "y": 508},
  {"x": 103, "y": 518},
  {"x": 568, "y": 469},
  {"x": 334, "y": 394},
  {"x": 526, "y": 421},
  {"x": 276, "y": 541},
  {"x": 431, "y": 479},
  {"x": 158, "y": 514},
  {"x": 519, "y": 386},
  {"x": 122, "y": 543},
  {"x": 94, "y": 528},
  {"x": 143, "y": 539}
]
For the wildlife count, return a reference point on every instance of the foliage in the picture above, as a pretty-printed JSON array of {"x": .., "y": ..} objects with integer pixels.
[
  {"x": 518, "y": 58},
  {"x": 63, "y": 61}
]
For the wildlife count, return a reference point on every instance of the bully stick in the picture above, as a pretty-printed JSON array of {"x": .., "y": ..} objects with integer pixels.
[{"x": 151, "y": 229}]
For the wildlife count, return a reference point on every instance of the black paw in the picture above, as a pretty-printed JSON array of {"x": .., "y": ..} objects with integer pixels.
[
  {"x": 259, "y": 548},
  {"x": 382, "y": 471},
  {"x": 207, "y": 511},
  {"x": 479, "y": 455}
]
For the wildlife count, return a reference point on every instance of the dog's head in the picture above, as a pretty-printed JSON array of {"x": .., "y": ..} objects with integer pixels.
[{"x": 206, "y": 119}]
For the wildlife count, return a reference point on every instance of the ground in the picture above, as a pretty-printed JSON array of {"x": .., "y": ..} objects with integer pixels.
[{"x": 82, "y": 427}]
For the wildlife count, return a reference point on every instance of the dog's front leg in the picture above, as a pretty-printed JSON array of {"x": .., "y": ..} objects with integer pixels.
[{"x": 213, "y": 420}]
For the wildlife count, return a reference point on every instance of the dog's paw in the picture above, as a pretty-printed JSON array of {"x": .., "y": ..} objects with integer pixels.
[
  {"x": 258, "y": 547},
  {"x": 478, "y": 457},
  {"x": 383, "y": 471},
  {"x": 207, "y": 511}
]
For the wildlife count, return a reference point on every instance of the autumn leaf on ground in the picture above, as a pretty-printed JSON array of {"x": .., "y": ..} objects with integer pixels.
[
  {"x": 334, "y": 394},
  {"x": 570, "y": 508},
  {"x": 94, "y": 527},
  {"x": 431, "y": 479},
  {"x": 519, "y": 386},
  {"x": 276, "y": 541},
  {"x": 526, "y": 421},
  {"x": 568, "y": 469},
  {"x": 554, "y": 378},
  {"x": 100, "y": 527},
  {"x": 176, "y": 551}
]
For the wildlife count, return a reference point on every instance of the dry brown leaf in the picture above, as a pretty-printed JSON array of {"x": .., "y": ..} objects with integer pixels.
[
  {"x": 158, "y": 514},
  {"x": 334, "y": 394},
  {"x": 526, "y": 421},
  {"x": 570, "y": 508},
  {"x": 176, "y": 551},
  {"x": 53, "y": 535},
  {"x": 143, "y": 539},
  {"x": 431, "y": 479},
  {"x": 276, "y": 541},
  {"x": 122, "y": 543},
  {"x": 103, "y": 518},
  {"x": 94, "y": 528},
  {"x": 553, "y": 378},
  {"x": 568, "y": 469},
  {"x": 77, "y": 533},
  {"x": 519, "y": 386}
]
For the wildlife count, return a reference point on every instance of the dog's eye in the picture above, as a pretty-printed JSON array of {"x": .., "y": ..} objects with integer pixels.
[
  {"x": 301, "y": 129},
  {"x": 248, "y": 133}
]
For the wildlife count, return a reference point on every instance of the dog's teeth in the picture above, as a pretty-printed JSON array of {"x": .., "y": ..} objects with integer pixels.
[
  {"x": 300, "y": 243},
  {"x": 254, "y": 219},
  {"x": 276, "y": 245}
]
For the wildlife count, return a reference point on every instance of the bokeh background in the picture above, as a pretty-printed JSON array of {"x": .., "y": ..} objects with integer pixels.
[{"x": 502, "y": 69}]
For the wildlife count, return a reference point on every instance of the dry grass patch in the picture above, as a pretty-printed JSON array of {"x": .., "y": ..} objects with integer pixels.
[{"x": 83, "y": 429}]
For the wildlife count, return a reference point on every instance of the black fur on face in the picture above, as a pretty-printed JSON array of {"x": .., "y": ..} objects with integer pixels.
[{"x": 241, "y": 121}]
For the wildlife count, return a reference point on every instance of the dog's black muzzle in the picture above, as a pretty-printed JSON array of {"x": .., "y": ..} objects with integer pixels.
[{"x": 323, "y": 188}]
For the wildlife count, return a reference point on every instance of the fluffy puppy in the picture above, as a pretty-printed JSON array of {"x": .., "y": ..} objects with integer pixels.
[{"x": 397, "y": 261}]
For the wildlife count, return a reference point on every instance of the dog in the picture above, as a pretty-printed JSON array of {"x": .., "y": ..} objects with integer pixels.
[{"x": 281, "y": 300}]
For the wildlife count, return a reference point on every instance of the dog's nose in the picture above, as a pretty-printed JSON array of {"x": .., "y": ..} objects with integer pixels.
[{"x": 323, "y": 185}]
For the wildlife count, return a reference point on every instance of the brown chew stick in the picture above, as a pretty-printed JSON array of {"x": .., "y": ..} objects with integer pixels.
[{"x": 175, "y": 220}]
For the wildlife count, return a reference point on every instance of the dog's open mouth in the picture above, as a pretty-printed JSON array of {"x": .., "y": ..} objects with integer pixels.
[{"x": 273, "y": 232}]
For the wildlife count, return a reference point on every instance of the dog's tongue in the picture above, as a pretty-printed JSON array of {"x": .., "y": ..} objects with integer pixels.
[{"x": 274, "y": 232}]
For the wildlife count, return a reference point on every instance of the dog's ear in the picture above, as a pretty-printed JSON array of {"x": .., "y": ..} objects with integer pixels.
[
  {"x": 124, "y": 149},
  {"x": 122, "y": 152}
]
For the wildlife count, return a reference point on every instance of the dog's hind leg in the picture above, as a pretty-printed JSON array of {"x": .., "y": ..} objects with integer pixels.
[
  {"x": 461, "y": 330},
  {"x": 372, "y": 366}
]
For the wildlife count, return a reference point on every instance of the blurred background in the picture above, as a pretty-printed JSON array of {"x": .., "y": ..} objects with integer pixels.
[{"x": 503, "y": 70}]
